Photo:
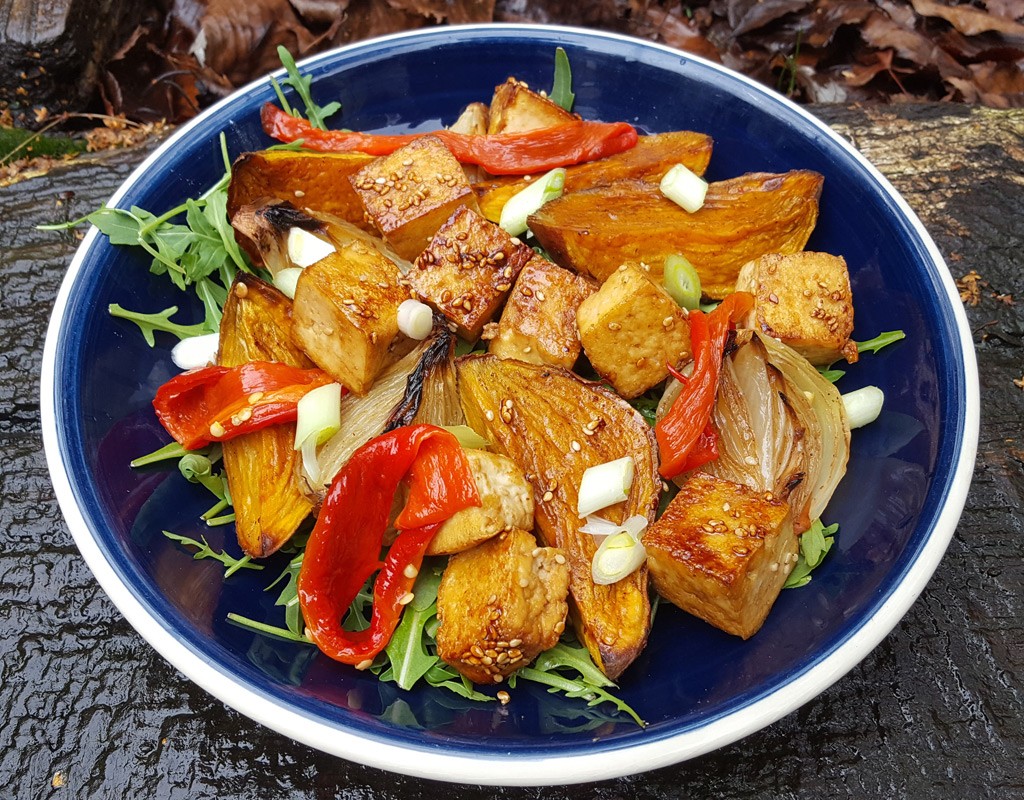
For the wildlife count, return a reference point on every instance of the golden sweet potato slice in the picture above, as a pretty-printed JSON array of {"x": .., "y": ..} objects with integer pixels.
[
  {"x": 595, "y": 231},
  {"x": 317, "y": 181},
  {"x": 269, "y": 505},
  {"x": 554, "y": 425},
  {"x": 648, "y": 161}
]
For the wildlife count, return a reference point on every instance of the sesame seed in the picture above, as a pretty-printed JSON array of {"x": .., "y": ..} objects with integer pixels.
[
  {"x": 498, "y": 678},
  {"x": 406, "y": 598},
  {"x": 668, "y": 322},
  {"x": 559, "y": 558},
  {"x": 217, "y": 430},
  {"x": 608, "y": 639},
  {"x": 254, "y": 398},
  {"x": 410, "y": 571},
  {"x": 540, "y": 296},
  {"x": 773, "y": 298},
  {"x": 527, "y": 349},
  {"x": 492, "y": 599},
  {"x": 614, "y": 326},
  {"x": 241, "y": 290},
  {"x": 365, "y": 664},
  {"x": 548, "y": 497},
  {"x": 381, "y": 181},
  {"x": 575, "y": 446},
  {"x": 299, "y": 193},
  {"x": 245, "y": 414},
  {"x": 515, "y": 642},
  {"x": 559, "y": 627},
  {"x": 489, "y": 415},
  {"x": 523, "y": 583}
]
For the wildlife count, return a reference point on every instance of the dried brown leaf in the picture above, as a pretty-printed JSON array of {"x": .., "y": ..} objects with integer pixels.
[
  {"x": 655, "y": 22},
  {"x": 454, "y": 12},
  {"x": 968, "y": 20},
  {"x": 883, "y": 32}
]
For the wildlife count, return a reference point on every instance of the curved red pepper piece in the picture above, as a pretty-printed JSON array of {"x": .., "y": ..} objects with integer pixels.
[
  {"x": 500, "y": 153},
  {"x": 686, "y": 437},
  {"x": 213, "y": 404},
  {"x": 344, "y": 548}
]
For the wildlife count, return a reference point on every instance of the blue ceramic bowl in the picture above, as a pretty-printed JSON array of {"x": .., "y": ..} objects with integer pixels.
[{"x": 697, "y": 688}]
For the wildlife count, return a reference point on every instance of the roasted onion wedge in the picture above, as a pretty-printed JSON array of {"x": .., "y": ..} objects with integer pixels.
[
  {"x": 420, "y": 387},
  {"x": 269, "y": 503},
  {"x": 554, "y": 425}
]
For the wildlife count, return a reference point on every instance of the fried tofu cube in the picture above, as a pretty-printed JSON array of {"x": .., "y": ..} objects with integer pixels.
[
  {"x": 411, "y": 192},
  {"x": 516, "y": 108},
  {"x": 804, "y": 300},
  {"x": 345, "y": 313},
  {"x": 500, "y": 605},
  {"x": 632, "y": 330},
  {"x": 467, "y": 270},
  {"x": 506, "y": 502},
  {"x": 722, "y": 551},
  {"x": 538, "y": 324}
]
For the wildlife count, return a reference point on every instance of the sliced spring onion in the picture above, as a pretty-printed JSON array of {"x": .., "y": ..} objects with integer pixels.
[
  {"x": 304, "y": 248},
  {"x": 468, "y": 438},
  {"x": 319, "y": 418},
  {"x": 863, "y": 405},
  {"x": 319, "y": 415},
  {"x": 618, "y": 556},
  {"x": 599, "y": 526},
  {"x": 682, "y": 282},
  {"x": 684, "y": 188},
  {"x": 605, "y": 484},
  {"x": 525, "y": 202},
  {"x": 196, "y": 351},
  {"x": 415, "y": 319},
  {"x": 287, "y": 279}
]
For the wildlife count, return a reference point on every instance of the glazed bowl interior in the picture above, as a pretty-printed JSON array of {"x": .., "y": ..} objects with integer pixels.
[{"x": 696, "y": 687}]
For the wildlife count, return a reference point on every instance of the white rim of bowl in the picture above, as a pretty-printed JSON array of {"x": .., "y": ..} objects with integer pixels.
[{"x": 501, "y": 771}]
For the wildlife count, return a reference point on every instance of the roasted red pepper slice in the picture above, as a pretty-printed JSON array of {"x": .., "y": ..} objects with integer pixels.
[
  {"x": 500, "y": 153},
  {"x": 686, "y": 437},
  {"x": 212, "y": 404},
  {"x": 344, "y": 548}
]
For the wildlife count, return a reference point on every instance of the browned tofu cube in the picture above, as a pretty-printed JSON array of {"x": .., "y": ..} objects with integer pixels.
[
  {"x": 409, "y": 194},
  {"x": 516, "y": 108},
  {"x": 538, "y": 324},
  {"x": 467, "y": 270},
  {"x": 500, "y": 605},
  {"x": 345, "y": 314},
  {"x": 804, "y": 300},
  {"x": 722, "y": 551},
  {"x": 506, "y": 501},
  {"x": 632, "y": 330}
]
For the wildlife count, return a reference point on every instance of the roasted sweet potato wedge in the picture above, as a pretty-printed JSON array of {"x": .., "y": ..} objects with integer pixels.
[
  {"x": 269, "y": 504},
  {"x": 648, "y": 161},
  {"x": 554, "y": 425},
  {"x": 595, "y": 231},
  {"x": 317, "y": 181}
]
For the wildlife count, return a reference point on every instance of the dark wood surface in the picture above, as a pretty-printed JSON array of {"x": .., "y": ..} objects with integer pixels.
[{"x": 936, "y": 709}]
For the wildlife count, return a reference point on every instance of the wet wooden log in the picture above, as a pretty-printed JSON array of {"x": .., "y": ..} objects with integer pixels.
[
  {"x": 51, "y": 52},
  {"x": 935, "y": 709}
]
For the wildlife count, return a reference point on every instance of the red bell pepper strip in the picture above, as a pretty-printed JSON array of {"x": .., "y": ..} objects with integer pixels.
[
  {"x": 344, "y": 547},
  {"x": 686, "y": 437},
  {"x": 500, "y": 153},
  {"x": 213, "y": 404}
]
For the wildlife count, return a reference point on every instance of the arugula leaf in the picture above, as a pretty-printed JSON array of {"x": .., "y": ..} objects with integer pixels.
[
  {"x": 815, "y": 543},
  {"x": 165, "y": 453},
  {"x": 408, "y": 652},
  {"x": 880, "y": 341},
  {"x": 203, "y": 550},
  {"x": 647, "y": 406},
  {"x": 831, "y": 375},
  {"x": 301, "y": 84},
  {"x": 589, "y": 683},
  {"x": 160, "y": 321},
  {"x": 268, "y": 630},
  {"x": 561, "y": 89}
]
